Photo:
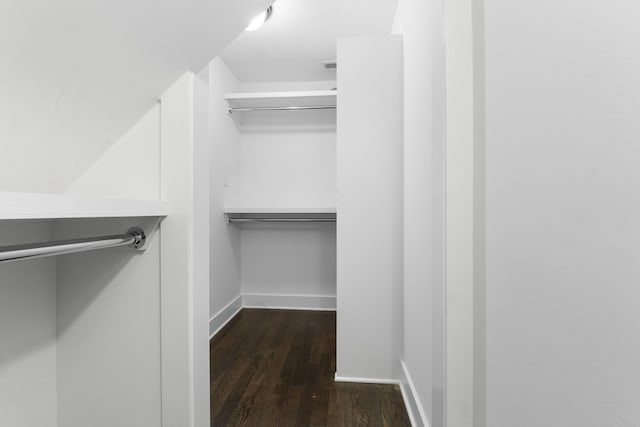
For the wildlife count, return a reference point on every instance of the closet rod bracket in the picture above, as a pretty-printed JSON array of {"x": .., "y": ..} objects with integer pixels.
[{"x": 139, "y": 236}]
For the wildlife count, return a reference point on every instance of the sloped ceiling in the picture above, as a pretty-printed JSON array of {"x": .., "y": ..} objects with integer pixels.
[
  {"x": 77, "y": 74},
  {"x": 301, "y": 34}
]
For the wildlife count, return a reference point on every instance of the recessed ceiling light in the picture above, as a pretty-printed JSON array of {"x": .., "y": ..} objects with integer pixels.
[{"x": 259, "y": 20}]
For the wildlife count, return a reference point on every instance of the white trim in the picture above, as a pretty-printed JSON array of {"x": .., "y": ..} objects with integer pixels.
[
  {"x": 341, "y": 379},
  {"x": 54, "y": 206},
  {"x": 415, "y": 410},
  {"x": 222, "y": 317},
  {"x": 289, "y": 302},
  {"x": 262, "y": 210}
]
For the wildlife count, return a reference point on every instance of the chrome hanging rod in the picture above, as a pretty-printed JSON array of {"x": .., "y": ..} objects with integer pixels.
[
  {"x": 134, "y": 238},
  {"x": 302, "y": 107},
  {"x": 282, "y": 220}
]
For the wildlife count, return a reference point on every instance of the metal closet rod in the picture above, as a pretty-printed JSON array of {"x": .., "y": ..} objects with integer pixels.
[
  {"x": 133, "y": 238},
  {"x": 302, "y": 107}
]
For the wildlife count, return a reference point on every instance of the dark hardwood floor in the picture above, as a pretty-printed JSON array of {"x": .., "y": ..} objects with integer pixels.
[{"x": 275, "y": 368}]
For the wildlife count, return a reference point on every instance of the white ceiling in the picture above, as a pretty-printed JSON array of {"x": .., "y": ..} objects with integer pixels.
[
  {"x": 76, "y": 74},
  {"x": 301, "y": 34}
]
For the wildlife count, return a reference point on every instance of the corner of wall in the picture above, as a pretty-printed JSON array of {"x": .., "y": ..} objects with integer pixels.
[
  {"x": 224, "y": 316},
  {"x": 415, "y": 410}
]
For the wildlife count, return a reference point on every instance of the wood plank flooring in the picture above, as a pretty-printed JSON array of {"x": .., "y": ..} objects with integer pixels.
[{"x": 275, "y": 368}]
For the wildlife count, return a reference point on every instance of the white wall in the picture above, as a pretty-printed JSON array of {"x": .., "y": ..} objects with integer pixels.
[
  {"x": 562, "y": 213},
  {"x": 460, "y": 190},
  {"x": 27, "y": 332},
  {"x": 286, "y": 159},
  {"x": 108, "y": 327},
  {"x": 283, "y": 166},
  {"x": 289, "y": 259},
  {"x": 423, "y": 108},
  {"x": 369, "y": 226},
  {"x": 108, "y": 302},
  {"x": 225, "y": 177},
  {"x": 130, "y": 168}
]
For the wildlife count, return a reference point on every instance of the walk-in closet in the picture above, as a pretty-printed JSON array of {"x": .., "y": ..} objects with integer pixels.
[
  {"x": 180, "y": 196},
  {"x": 360, "y": 213},
  {"x": 305, "y": 180},
  {"x": 273, "y": 192}
]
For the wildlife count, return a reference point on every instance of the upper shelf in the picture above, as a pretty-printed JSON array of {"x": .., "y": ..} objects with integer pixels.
[
  {"x": 50, "y": 206},
  {"x": 239, "y": 214},
  {"x": 269, "y": 101}
]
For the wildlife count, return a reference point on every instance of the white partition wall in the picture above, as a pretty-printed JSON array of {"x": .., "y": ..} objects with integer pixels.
[
  {"x": 369, "y": 209},
  {"x": 185, "y": 254},
  {"x": 422, "y": 380}
]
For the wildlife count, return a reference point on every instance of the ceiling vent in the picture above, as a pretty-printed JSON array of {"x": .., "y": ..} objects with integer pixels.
[{"x": 329, "y": 65}]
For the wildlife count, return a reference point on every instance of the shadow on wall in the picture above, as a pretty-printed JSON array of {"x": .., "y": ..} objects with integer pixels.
[
  {"x": 86, "y": 278},
  {"x": 109, "y": 288},
  {"x": 27, "y": 308},
  {"x": 41, "y": 299}
]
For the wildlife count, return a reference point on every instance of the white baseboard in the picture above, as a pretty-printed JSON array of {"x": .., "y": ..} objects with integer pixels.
[
  {"x": 417, "y": 414},
  {"x": 223, "y": 317},
  {"x": 341, "y": 379},
  {"x": 289, "y": 302}
]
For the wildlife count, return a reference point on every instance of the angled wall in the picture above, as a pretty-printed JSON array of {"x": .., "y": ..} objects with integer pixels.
[{"x": 77, "y": 76}]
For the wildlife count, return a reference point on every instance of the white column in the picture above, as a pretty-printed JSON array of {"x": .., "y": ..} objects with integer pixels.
[
  {"x": 185, "y": 255},
  {"x": 369, "y": 209}
]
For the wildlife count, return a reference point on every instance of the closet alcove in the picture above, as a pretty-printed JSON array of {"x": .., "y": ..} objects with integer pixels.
[
  {"x": 306, "y": 183},
  {"x": 73, "y": 327},
  {"x": 102, "y": 337},
  {"x": 273, "y": 182},
  {"x": 245, "y": 201}
]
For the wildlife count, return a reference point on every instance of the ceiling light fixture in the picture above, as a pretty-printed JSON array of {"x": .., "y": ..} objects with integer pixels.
[{"x": 259, "y": 20}]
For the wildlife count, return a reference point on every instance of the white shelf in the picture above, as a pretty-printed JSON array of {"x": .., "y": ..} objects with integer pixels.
[
  {"x": 241, "y": 214},
  {"x": 49, "y": 206},
  {"x": 309, "y": 98},
  {"x": 254, "y": 210}
]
